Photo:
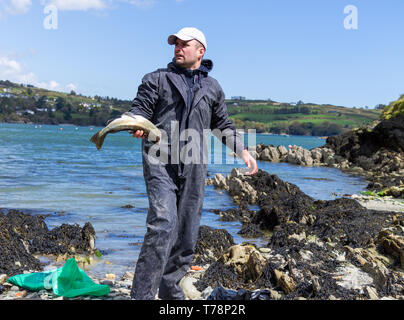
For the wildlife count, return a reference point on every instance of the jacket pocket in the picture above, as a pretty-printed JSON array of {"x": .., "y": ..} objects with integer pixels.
[{"x": 204, "y": 111}]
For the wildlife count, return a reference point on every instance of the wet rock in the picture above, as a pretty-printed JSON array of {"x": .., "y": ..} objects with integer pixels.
[
  {"x": 3, "y": 278},
  {"x": 375, "y": 151},
  {"x": 286, "y": 283},
  {"x": 211, "y": 243},
  {"x": 282, "y": 152},
  {"x": 66, "y": 238},
  {"x": 128, "y": 206},
  {"x": 230, "y": 214},
  {"x": 371, "y": 293},
  {"x": 250, "y": 230},
  {"x": 218, "y": 181},
  {"x": 245, "y": 260},
  {"x": 23, "y": 235},
  {"x": 392, "y": 244}
]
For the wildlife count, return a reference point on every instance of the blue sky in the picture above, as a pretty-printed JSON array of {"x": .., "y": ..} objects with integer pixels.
[{"x": 286, "y": 50}]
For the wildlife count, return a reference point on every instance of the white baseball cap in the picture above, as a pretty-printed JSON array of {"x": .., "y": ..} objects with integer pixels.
[{"x": 187, "y": 34}]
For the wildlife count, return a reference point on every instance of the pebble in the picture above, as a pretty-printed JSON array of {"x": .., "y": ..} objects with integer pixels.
[
  {"x": 371, "y": 293},
  {"x": 107, "y": 282},
  {"x": 110, "y": 276},
  {"x": 3, "y": 278}
]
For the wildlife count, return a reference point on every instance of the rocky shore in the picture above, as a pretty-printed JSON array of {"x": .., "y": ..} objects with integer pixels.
[
  {"x": 323, "y": 250},
  {"x": 334, "y": 249},
  {"x": 375, "y": 152}
]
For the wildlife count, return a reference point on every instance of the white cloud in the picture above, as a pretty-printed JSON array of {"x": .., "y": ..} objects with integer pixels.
[
  {"x": 23, "y": 6},
  {"x": 20, "y": 6},
  {"x": 141, "y": 3},
  {"x": 71, "y": 86},
  {"x": 76, "y": 5},
  {"x": 11, "y": 69},
  {"x": 14, "y": 7}
]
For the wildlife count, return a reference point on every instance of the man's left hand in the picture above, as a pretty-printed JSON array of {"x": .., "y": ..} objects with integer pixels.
[{"x": 250, "y": 162}]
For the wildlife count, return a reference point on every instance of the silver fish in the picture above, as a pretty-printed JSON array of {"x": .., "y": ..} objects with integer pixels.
[{"x": 128, "y": 123}]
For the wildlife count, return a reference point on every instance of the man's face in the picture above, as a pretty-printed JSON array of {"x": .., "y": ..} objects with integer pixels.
[{"x": 188, "y": 54}]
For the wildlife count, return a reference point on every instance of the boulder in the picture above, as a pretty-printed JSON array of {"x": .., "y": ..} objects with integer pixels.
[
  {"x": 286, "y": 283},
  {"x": 245, "y": 260},
  {"x": 211, "y": 243}
]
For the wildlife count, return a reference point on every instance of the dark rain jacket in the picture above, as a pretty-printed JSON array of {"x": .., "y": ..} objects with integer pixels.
[{"x": 165, "y": 98}]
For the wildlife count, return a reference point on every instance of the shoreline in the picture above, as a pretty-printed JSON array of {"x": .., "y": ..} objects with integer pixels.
[{"x": 360, "y": 270}]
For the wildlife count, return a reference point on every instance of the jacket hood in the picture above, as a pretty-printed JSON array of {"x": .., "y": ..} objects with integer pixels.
[{"x": 206, "y": 66}]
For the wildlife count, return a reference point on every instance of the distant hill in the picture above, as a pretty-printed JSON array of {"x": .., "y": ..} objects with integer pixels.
[
  {"x": 298, "y": 119},
  {"x": 28, "y": 104}
]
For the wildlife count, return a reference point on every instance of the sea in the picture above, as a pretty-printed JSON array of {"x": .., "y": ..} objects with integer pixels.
[{"x": 54, "y": 170}]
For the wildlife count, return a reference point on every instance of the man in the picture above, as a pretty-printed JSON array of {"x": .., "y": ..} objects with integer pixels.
[{"x": 181, "y": 96}]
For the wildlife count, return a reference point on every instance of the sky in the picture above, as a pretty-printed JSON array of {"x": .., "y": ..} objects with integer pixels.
[{"x": 342, "y": 52}]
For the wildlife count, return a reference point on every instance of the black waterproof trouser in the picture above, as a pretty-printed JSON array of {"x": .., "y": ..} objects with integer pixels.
[{"x": 175, "y": 207}]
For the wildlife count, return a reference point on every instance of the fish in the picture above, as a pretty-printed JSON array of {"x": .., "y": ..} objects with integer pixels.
[{"x": 128, "y": 123}]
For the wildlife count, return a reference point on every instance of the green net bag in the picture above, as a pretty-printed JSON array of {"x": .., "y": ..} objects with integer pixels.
[{"x": 68, "y": 281}]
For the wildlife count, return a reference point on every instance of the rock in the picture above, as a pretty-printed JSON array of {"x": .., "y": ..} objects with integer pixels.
[
  {"x": 265, "y": 155},
  {"x": 107, "y": 282},
  {"x": 219, "y": 182},
  {"x": 316, "y": 285},
  {"x": 371, "y": 293},
  {"x": 274, "y": 154},
  {"x": 316, "y": 154},
  {"x": 307, "y": 159},
  {"x": 242, "y": 190},
  {"x": 3, "y": 278},
  {"x": 33, "y": 296},
  {"x": 275, "y": 294},
  {"x": 128, "y": 275},
  {"x": 23, "y": 235},
  {"x": 211, "y": 243},
  {"x": 110, "y": 276},
  {"x": 128, "y": 206},
  {"x": 286, "y": 283},
  {"x": 255, "y": 266},
  {"x": 392, "y": 244},
  {"x": 245, "y": 260},
  {"x": 282, "y": 152}
]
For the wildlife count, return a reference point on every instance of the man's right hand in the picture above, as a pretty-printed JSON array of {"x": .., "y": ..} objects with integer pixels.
[{"x": 137, "y": 134}]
